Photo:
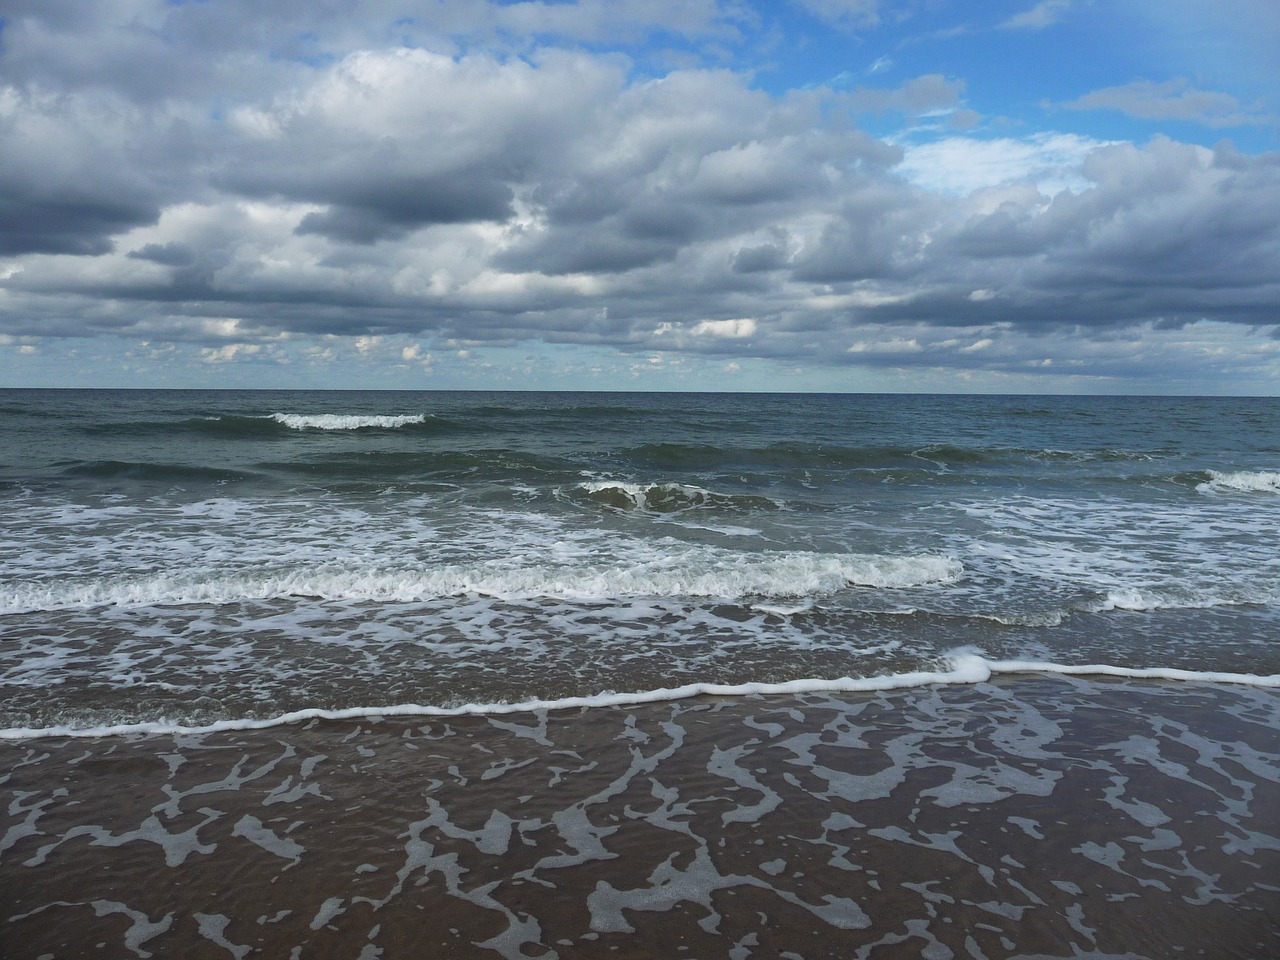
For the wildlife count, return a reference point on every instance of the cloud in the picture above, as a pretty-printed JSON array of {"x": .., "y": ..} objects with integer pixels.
[
  {"x": 932, "y": 92},
  {"x": 154, "y": 51},
  {"x": 1172, "y": 100},
  {"x": 390, "y": 202},
  {"x": 895, "y": 345},
  {"x": 961, "y": 165},
  {"x": 845, "y": 14},
  {"x": 1044, "y": 14},
  {"x": 726, "y": 329},
  {"x": 72, "y": 174},
  {"x": 229, "y": 352}
]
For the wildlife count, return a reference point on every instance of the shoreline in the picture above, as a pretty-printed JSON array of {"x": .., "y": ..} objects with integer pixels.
[
  {"x": 965, "y": 669},
  {"x": 1025, "y": 814}
]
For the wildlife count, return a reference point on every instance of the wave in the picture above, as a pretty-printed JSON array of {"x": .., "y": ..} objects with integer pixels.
[
  {"x": 933, "y": 457},
  {"x": 238, "y": 426},
  {"x": 335, "y": 421},
  {"x": 470, "y": 466},
  {"x": 1241, "y": 481},
  {"x": 959, "y": 667},
  {"x": 698, "y": 573},
  {"x": 1145, "y": 599},
  {"x": 665, "y": 497},
  {"x": 151, "y": 472}
]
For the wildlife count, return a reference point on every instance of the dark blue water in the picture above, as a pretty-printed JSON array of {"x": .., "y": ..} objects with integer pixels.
[{"x": 190, "y": 557}]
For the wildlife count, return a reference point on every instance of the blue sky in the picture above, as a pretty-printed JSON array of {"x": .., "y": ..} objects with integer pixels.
[{"x": 899, "y": 195}]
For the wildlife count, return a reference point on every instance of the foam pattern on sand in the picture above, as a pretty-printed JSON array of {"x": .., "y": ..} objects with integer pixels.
[{"x": 1046, "y": 817}]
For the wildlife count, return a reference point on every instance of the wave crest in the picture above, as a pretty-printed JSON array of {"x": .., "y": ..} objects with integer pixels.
[
  {"x": 1241, "y": 481},
  {"x": 665, "y": 497},
  {"x": 337, "y": 421},
  {"x": 1147, "y": 599},
  {"x": 697, "y": 574}
]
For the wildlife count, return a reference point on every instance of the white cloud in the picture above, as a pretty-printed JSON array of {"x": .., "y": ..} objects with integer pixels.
[
  {"x": 229, "y": 352},
  {"x": 893, "y": 346},
  {"x": 726, "y": 329},
  {"x": 961, "y": 165},
  {"x": 845, "y": 13},
  {"x": 1044, "y": 14}
]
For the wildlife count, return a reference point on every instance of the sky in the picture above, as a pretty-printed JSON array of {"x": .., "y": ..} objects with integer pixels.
[{"x": 1008, "y": 196}]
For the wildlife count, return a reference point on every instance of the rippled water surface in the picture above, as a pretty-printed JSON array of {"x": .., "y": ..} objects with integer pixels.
[{"x": 183, "y": 559}]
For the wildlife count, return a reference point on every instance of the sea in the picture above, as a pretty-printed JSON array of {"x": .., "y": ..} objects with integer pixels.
[
  {"x": 175, "y": 560},
  {"x": 576, "y": 675}
]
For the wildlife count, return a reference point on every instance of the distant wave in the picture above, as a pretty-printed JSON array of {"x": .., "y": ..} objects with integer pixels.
[
  {"x": 335, "y": 421},
  {"x": 698, "y": 573},
  {"x": 930, "y": 457},
  {"x": 1244, "y": 481},
  {"x": 960, "y": 667},
  {"x": 233, "y": 426}
]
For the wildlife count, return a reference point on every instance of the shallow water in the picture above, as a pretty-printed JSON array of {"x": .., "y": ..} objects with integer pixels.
[{"x": 1032, "y": 816}]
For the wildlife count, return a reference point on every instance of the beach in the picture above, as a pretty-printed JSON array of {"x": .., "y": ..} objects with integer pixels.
[{"x": 1028, "y": 816}]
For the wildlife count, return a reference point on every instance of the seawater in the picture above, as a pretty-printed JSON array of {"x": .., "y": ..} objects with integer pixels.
[{"x": 194, "y": 560}]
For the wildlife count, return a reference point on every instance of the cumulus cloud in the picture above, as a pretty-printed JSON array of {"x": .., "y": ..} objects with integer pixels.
[
  {"x": 72, "y": 171},
  {"x": 419, "y": 200}
]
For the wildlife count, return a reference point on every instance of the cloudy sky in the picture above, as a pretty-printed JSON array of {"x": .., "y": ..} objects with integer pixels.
[{"x": 934, "y": 195}]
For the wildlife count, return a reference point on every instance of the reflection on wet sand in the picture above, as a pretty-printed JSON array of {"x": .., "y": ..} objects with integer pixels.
[{"x": 1034, "y": 816}]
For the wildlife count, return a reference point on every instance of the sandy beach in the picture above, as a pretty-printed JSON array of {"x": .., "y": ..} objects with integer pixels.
[{"x": 1034, "y": 816}]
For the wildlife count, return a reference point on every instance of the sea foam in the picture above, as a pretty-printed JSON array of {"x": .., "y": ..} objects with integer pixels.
[
  {"x": 334, "y": 421},
  {"x": 958, "y": 667},
  {"x": 691, "y": 573},
  {"x": 667, "y": 497},
  {"x": 1244, "y": 481}
]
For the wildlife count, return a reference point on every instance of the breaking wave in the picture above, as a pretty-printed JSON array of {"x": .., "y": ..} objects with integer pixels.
[
  {"x": 698, "y": 573},
  {"x": 1241, "y": 481},
  {"x": 335, "y": 421},
  {"x": 664, "y": 497},
  {"x": 1147, "y": 599}
]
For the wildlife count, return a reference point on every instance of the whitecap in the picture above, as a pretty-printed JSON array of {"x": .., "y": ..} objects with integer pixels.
[
  {"x": 666, "y": 497},
  {"x": 1241, "y": 481},
  {"x": 334, "y": 421},
  {"x": 689, "y": 572}
]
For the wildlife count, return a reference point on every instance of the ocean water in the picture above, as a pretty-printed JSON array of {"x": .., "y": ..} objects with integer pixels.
[{"x": 190, "y": 560}]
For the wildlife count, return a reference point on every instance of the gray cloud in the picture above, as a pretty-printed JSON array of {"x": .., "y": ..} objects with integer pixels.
[
  {"x": 370, "y": 211},
  {"x": 1172, "y": 100},
  {"x": 72, "y": 174},
  {"x": 561, "y": 196}
]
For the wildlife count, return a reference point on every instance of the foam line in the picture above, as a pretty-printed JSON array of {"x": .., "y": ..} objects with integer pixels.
[
  {"x": 965, "y": 668},
  {"x": 1134, "y": 673}
]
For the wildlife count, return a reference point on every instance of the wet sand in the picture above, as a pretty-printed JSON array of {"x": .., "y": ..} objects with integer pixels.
[{"x": 1033, "y": 816}]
